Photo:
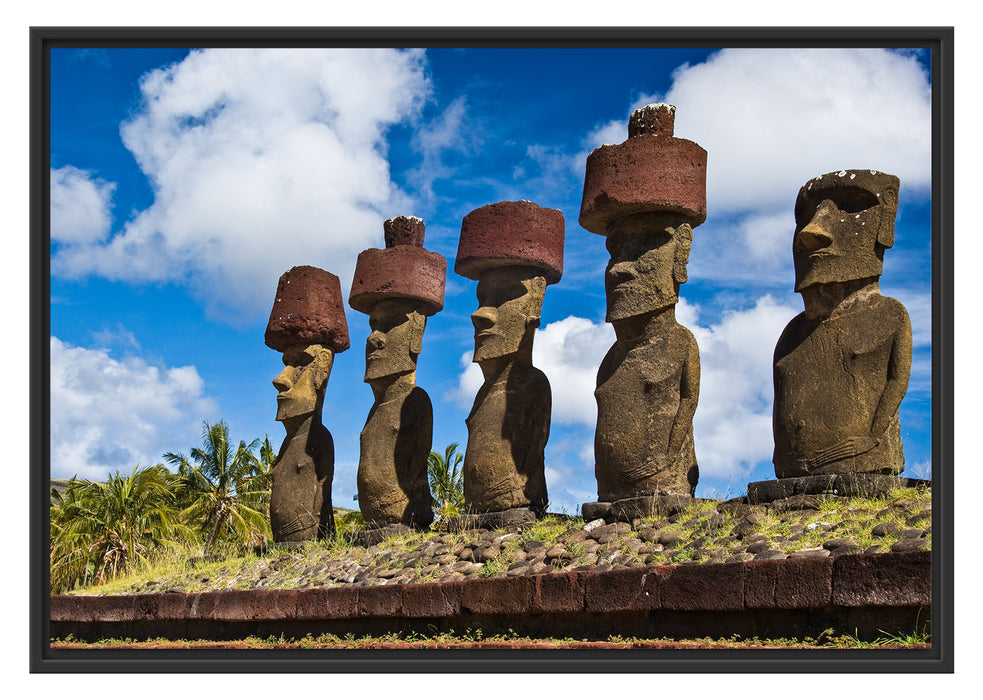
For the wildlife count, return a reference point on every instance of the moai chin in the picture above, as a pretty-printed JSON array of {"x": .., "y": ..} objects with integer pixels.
[
  {"x": 841, "y": 367},
  {"x": 646, "y": 195},
  {"x": 307, "y": 324},
  {"x": 398, "y": 287},
  {"x": 514, "y": 250}
]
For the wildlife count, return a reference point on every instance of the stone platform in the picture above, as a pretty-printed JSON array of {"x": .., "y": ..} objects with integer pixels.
[
  {"x": 835, "y": 485},
  {"x": 627, "y": 509},
  {"x": 493, "y": 520}
]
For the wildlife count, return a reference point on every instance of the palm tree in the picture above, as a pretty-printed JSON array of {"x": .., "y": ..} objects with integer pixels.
[
  {"x": 227, "y": 488},
  {"x": 446, "y": 482},
  {"x": 106, "y": 527}
]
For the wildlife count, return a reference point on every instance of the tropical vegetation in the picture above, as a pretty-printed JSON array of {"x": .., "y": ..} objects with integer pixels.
[
  {"x": 446, "y": 483},
  {"x": 226, "y": 487}
]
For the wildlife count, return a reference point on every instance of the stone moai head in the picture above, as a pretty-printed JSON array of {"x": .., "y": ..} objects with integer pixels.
[
  {"x": 398, "y": 287},
  {"x": 645, "y": 195},
  {"x": 514, "y": 250},
  {"x": 843, "y": 223},
  {"x": 307, "y": 324}
]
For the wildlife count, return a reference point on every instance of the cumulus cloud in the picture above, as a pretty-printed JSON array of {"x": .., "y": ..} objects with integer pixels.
[
  {"x": 468, "y": 383},
  {"x": 259, "y": 160},
  {"x": 109, "y": 414},
  {"x": 732, "y": 425},
  {"x": 569, "y": 352},
  {"x": 81, "y": 206},
  {"x": 770, "y": 120}
]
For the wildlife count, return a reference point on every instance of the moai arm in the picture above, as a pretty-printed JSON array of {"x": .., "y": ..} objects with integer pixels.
[{"x": 689, "y": 394}]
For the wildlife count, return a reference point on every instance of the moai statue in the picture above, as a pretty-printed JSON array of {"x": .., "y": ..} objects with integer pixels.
[
  {"x": 514, "y": 250},
  {"x": 841, "y": 367},
  {"x": 645, "y": 195},
  {"x": 398, "y": 288},
  {"x": 307, "y": 324}
]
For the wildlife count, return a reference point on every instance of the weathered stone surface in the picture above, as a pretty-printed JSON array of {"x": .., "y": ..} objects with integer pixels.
[
  {"x": 645, "y": 195},
  {"x": 307, "y": 310},
  {"x": 651, "y": 170},
  {"x": 404, "y": 230},
  {"x": 511, "y": 234},
  {"x": 841, "y": 367},
  {"x": 403, "y": 270},
  {"x": 300, "y": 498},
  {"x": 883, "y": 579},
  {"x": 514, "y": 249},
  {"x": 710, "y": 587},
  {"x": 398, "y": 288}
]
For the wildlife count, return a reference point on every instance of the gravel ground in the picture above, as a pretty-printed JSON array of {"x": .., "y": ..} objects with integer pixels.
[{"x": 707, "y": 532}]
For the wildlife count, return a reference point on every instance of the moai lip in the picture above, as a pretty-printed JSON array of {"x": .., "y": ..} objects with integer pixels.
[
  {"x": 841, "y": 367},
  {"x": 307, "y": 310},
  {"x": 652, "y": 171},
  {"x": 398, "y": 288}
]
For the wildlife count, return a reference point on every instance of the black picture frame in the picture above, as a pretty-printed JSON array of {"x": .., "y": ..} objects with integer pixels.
[{"x": 938, "y": 659}]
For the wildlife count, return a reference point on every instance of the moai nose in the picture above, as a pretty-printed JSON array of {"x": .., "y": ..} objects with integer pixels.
[
  {"x": 484, "y": 318},
  {"x": 813, "y": 237},
  {"x": 282, "y": 381}
]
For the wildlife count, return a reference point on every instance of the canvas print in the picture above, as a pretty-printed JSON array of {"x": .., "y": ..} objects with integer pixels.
[{"x": 521, "y": 347}]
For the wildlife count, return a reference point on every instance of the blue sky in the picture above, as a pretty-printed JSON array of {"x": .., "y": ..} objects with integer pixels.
[{"x": 184, "y": 184}]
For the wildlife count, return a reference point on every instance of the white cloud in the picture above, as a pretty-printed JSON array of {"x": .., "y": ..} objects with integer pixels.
[
  {"x": 732, "y": 425},
  {"x": 569, "y": 352},
  {"x": 770, "y": 119},
  {"x": 259, "y": 160},
  {"x": 109, "y": 415},
  {"x": 468, "y": 383},
  {"x": 81, "y": 206}
]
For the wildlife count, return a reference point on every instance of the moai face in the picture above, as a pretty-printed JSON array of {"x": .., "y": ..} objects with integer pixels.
[
  {"x": 510, "y": 300},
  {"x": 843, "y": 223},
  {"x": 396, "y": 339},
  {"x": 645, "y": 269},
  {"x": 302, "y": 381}
]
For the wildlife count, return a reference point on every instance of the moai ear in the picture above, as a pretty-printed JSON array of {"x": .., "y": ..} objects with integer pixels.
[
  {"x": 323, "y": 360},
  {"x": 537, "y": 291},
  {"x": 684, "y": 242},
  {"x": 889, "y": 209},
  {"x": 418, "y": 324}
]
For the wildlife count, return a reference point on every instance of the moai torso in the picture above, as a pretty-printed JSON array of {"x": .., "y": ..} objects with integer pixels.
[
  {"x": 392, "y": 467},
  {"x": 509, "y": 424},
  {"x": 830, "y": 377},
  {"x": 640, "y": 389},
  {"x": 300, "y": 503}
]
